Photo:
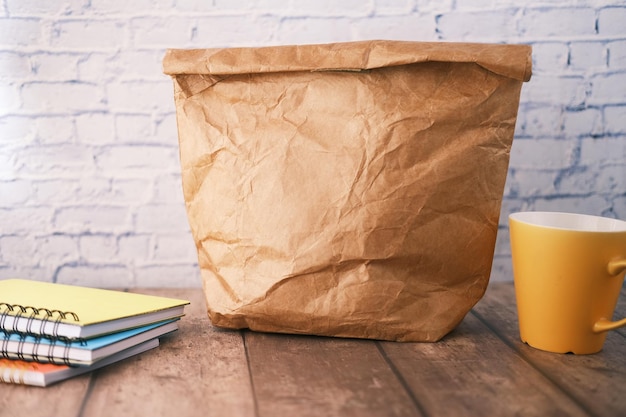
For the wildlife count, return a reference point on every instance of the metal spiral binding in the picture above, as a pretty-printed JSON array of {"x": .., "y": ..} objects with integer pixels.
[
  {"x": 18, "y": 311},
  {"x": 33, "y": 354},
  {"x": 4, "y": 348},
  {"x": 53, "y": 338}
]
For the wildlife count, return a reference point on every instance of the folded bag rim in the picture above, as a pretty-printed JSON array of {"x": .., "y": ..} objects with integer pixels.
[{"x": 513, "y": 61}]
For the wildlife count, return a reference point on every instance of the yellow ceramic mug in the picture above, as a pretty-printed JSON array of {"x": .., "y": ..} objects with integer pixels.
[{"x": 568, "y": 271}]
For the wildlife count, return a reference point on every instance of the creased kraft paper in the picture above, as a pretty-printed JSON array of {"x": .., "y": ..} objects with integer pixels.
[{"x": 348, "y": 189}]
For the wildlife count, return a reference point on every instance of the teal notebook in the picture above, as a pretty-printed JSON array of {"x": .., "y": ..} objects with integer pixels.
[
  {"x": 44, "y": 374},
  {"x": 78, "y": 351}
]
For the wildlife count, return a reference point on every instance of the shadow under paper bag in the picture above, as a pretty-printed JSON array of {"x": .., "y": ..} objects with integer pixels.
[{"x": 348, "y": 189}]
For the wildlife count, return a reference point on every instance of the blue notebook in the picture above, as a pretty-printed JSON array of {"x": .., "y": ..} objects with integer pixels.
[
  {"x": 78, "y": 351},
  {"x": 43, "y": 374}
]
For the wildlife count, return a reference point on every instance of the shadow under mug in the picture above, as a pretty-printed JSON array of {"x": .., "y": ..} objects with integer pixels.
[{"x": 568, "y": 271}]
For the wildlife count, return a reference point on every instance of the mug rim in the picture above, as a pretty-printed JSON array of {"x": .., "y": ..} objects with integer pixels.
[{"x": 575, "y": 222}]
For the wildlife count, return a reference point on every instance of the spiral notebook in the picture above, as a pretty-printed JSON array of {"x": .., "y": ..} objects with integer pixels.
[
  {"x": 58, "y": 310},
  {"x": 63, "y": 351},
  {"x": 44, "y": 374}
]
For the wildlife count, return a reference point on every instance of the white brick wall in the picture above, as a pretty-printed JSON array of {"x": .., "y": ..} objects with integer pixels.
[{"x": 89, "y": 176}]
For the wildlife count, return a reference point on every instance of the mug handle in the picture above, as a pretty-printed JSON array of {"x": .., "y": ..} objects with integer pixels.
[
  {"x": 616, "y": 267},
  {"x": 603, "y": 325}
]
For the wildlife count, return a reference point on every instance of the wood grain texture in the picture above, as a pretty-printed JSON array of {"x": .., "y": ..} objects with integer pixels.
[
  {"x": 473, "y": 373},
  {"x": 317, "y": 376},
  {"x": 481, "y": 368},
  {"x": 62, "y": 399},
  {"x": 197, "y": 371},
  {"x": 597, "y": 382}
]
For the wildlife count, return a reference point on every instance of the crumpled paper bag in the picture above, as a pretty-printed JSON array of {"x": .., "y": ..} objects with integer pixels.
[{"x": 348, "y": 189}]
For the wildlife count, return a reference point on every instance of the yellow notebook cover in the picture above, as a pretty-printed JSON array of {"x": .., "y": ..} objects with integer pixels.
[{"x": 73, "y": 311}]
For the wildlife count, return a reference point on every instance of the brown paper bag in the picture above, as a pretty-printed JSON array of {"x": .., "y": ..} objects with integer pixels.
[{"x": 346, "y": 189}]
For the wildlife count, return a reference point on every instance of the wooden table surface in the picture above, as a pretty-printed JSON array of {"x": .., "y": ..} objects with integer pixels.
[{"x": 480, "y": 369}]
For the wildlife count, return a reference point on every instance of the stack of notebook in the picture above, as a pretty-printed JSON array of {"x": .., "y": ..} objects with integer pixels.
[{"x": 50, "y": 332}]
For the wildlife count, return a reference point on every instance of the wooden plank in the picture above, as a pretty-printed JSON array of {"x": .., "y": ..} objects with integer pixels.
[
  {"x": 197, "y": 371},
  {"x": 317, "y": 376},
  {"x": 471, "y": 372},
  {"x": 62, "y": 399},
  {"x": 597, "y": 382}
]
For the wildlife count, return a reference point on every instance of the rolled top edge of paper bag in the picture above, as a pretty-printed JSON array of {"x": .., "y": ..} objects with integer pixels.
[{"x": 513, "y": 61}]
